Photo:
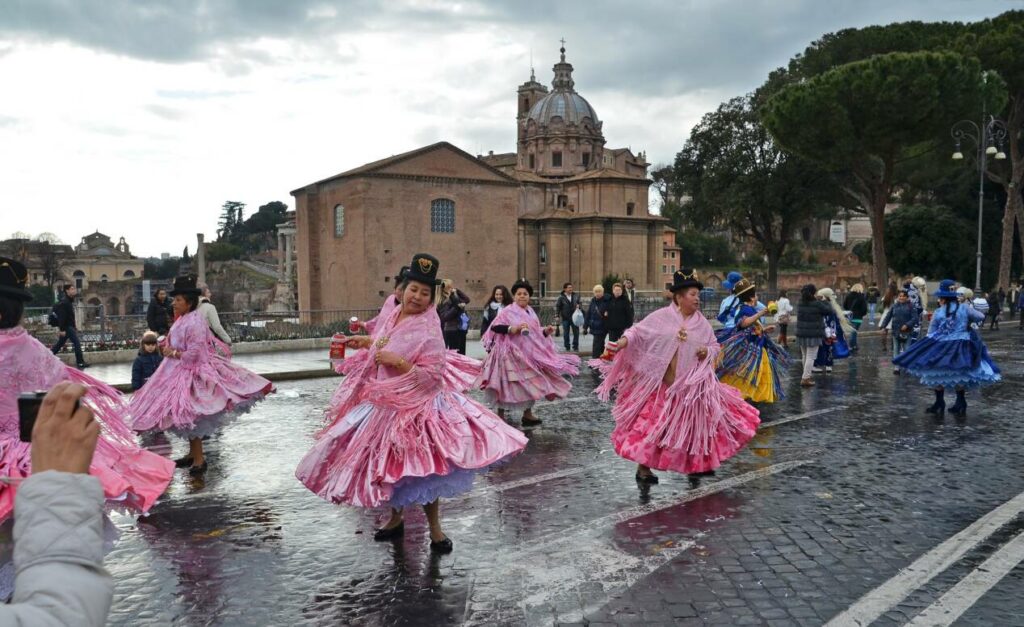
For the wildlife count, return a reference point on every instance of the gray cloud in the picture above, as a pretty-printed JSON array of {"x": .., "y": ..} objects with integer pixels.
[
  {"x": 168, "y": 113},
  {"x": 659, "y": 46}
]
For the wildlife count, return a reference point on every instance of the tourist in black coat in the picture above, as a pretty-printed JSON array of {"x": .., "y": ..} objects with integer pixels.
[
  {"x": 159, "y": 315},
  {"x": 620, "y": 313}
]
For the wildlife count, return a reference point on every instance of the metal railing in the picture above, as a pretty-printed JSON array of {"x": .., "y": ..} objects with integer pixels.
[{"x": 98, "y": 331}]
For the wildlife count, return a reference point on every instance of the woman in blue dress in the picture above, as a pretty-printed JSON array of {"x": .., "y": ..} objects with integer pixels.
[
  {"x": 750, "y": 361},
  {"x": 950, "y": 356},
  {"x": 837, "y": 328}
]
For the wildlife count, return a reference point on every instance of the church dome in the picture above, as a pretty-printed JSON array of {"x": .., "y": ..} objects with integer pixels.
[{"x": 568, "y": 105}]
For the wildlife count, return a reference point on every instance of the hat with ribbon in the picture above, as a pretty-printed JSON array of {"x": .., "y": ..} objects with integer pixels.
[
  {"x": 186, "y": 286},
  {"x": 947, "y": 289},
  {"x": 423, "y": 269},
  {"x": 684, "y": 278},
  {"x": 14, "y": 280}
]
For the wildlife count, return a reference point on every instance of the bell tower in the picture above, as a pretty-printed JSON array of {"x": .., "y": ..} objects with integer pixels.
[{"x": 528, "y": 94}]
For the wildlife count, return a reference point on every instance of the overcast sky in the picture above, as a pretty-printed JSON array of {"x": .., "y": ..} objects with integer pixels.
[{"x": 140, "y": 117}]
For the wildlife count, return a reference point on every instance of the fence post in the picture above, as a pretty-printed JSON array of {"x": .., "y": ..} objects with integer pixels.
[{"x": 103, "y": 324}]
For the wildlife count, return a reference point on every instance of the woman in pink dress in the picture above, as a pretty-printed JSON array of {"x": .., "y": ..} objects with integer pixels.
[
  {"x": 397, "y": 435},
  {"x": 671, "y": 411},
  {"x": 522, "y": 364},
  {"x": 132, "y": 477},
  {"x": 460, "y": 372},
  {"x": 195, "y": 390}
]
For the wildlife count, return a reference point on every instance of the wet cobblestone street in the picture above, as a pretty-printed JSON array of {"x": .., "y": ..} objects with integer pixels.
[{"x": 844, "y": 485}]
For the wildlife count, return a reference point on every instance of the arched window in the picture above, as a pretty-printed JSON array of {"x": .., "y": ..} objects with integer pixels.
[
  {"x": 630, "y": 207},
  {"x": 129, "y": 274},
  {"x": 442, "y": 215},
  {"x": 339, "y": 220},
  {"x": 103, "y": 278},
  {"x": 79, "y": 277}
]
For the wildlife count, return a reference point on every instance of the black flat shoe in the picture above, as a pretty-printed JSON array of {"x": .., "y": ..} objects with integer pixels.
[
  {"x": 382, "y": 534},
  {"x": 647, "y": 479},
  {"x": 531, "y": 423},
  {"x": 183, "y": 462},
  {"x": 442, "y": 546},
  {"x": 84, "y": 366},
  {"x": 706, "y": 473},
  {"x": 196, "y": 471}
]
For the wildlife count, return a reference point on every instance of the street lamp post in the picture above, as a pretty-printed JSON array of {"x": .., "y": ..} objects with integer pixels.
[{"x": 988, "y": 138}]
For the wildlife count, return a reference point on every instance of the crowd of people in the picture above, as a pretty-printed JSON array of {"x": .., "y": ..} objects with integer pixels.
[{"x": 402, "y": 428}]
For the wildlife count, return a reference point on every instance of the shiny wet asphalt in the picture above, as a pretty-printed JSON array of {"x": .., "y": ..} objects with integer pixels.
[{"x": 852, "y": 483}]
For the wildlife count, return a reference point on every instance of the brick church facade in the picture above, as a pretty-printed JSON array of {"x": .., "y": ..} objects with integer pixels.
[{"x": 563, "y": 207}]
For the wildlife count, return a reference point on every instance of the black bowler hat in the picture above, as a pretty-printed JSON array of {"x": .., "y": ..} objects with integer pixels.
[
  {"x": 401, "y": 275},
  {"x": 423, "y": 269},
  {"x": 13, "y": 280},
  {"x": 186, "y": 286},
  {"x": 684, "y": 278}
]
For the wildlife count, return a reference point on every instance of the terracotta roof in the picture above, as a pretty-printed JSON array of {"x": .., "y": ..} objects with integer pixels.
[{"x": 374, "y": 166}]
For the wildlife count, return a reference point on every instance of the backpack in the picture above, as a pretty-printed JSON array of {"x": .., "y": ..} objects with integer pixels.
[{"x": 53, "y": 319}]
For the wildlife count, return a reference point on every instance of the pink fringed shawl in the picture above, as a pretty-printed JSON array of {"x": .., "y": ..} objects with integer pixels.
[
  {"x": 416, "y": 338},
  {"x": 26, "y": 366},
  {"x": 697, "y": 406},
  {"x": 535, "y": 347}
]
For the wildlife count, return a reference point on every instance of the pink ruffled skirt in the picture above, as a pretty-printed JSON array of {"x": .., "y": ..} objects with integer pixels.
[
  {"x": 689, "y": 437},
  {"x": 194, "y": 401},
  {"x": 132, "y": 477},
  {"x": 510, "y": 381},
  {"x": 376, "y": 455}
]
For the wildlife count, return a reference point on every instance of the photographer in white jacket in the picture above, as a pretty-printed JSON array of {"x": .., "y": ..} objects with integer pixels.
[{"x": 58, "y": 523}]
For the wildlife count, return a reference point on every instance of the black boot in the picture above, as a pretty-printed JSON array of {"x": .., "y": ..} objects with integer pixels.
[
  {"x": 960, "y": 407},
  {"x": 940, "y": 403}
]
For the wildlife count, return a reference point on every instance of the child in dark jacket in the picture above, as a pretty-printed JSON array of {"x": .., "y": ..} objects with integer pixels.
[
  {"x": 904, "y": 318},
  {"x": 147, "y": 361}
]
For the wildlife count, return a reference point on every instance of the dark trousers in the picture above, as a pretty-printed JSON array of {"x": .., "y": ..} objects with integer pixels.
[
  {"x": 455, "y": 340},
  {"x": 782, "y": 333},
  {"x": 614, "y": 335},
  {"x": 567, "y": 325},
  {"x": 598, "y": 347},
  {"x": 71, "y": 333}
]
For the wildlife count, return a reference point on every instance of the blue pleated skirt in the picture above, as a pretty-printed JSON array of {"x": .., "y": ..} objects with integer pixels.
[{"x": 946, "y": 362}]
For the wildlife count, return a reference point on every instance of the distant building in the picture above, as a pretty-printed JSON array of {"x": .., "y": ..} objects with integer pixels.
[
  {"x": 98, "y": 260},
  {"x": 671, "y": 255},
  {"x": 105, "y": 273},
  {"x": 561, "y": 208}
]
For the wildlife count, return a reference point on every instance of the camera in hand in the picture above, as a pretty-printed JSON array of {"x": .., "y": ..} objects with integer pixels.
[{"x": 28, "y": 409}]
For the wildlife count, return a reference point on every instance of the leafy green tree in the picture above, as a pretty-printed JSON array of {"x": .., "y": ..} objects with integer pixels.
[
  {"x": 701, "y": 250},
  {"x": 998, "y": 44},
  {"x": 861, "y": 119},
  {"x": 739, "y": 179},
  {"x": 914, "y": 230},
  {"x": 230, "y": 219},
  {"x": 223, "y": 251}
]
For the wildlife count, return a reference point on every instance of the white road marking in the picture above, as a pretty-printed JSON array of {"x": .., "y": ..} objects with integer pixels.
[
  {"x": 974, "y": 586},
  {"x": 869, "y": 607},
  {"x": 519, "y": 483},
  {"x": 576, "y": 557},
  {"x": 809, "y": 414}
]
